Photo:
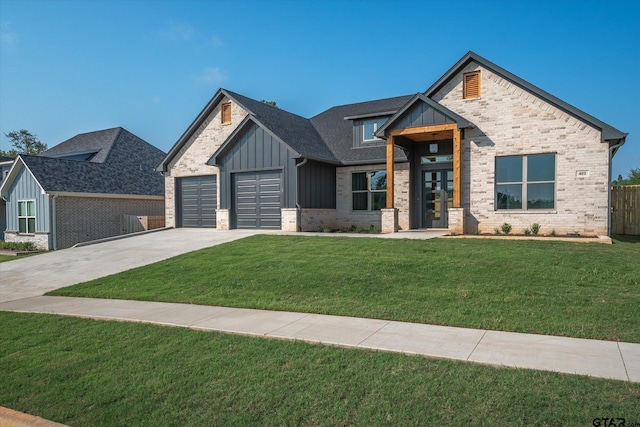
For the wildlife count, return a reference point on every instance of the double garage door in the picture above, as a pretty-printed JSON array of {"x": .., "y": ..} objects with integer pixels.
[
  {"x": 198, "y": 201},
  {"x": 257, "y": 200}
]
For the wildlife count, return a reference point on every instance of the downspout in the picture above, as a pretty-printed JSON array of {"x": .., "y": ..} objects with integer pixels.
[
  {"x": 53, "y": 223},
  {"x": 298, "y": 207},
  {"x": 613, "y": 147}
]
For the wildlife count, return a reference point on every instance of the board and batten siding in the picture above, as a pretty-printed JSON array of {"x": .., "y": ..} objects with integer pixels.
[
  {"x": 25, "y": 187},
  {"x": 256, "y": 150},
  {"x": 317, "y": 185},
  {"x": 421, "y": 114}
]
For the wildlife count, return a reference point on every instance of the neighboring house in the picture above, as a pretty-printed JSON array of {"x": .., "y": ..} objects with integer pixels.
[
  {"x": 5, "y": 165},
  {"x": 479, "y": 148},
  {"x": 79, "y": 190}
]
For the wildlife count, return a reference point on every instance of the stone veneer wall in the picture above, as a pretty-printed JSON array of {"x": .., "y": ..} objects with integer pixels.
[
  {"x": 81, "y": 219},
  {"x": 346, "y": 217},
  {"x": 512, "y": 121},
  {"x": 192, "y": 158},
  {"x": 41, "y": 241}
]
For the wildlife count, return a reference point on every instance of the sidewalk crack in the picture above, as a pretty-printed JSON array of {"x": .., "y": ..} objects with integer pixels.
[
  {"x": 476, "y": 346},
  {"x": 624, "y": 365}
]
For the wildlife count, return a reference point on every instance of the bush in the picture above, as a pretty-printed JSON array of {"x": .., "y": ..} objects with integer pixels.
[
  {"x": 17, "y": 246},
  {"x": 506, "y": 228},
  {"x": 535, "y": 228},
  {"x": 527, "y": 232}
]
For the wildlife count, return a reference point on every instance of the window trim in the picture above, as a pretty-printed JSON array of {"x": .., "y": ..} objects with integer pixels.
[
  {"x": 465, "y": 85},
  {"x": 27, "y": 216},
  {"x": 368, "y": 190},
  {"x": 525, "y": 182},
  {"x": 225, "y": 110},
  {"x": 376, "y": 126}
]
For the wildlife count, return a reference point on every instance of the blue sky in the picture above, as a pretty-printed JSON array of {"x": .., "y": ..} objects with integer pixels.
[{"x": 68, "y": 67}]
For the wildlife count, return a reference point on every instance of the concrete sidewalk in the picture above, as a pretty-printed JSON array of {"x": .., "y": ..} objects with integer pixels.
[{"x": 603, "y": 359}]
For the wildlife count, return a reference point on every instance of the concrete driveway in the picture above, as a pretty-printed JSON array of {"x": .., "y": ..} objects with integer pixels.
[{"x": 36, "y": 275}]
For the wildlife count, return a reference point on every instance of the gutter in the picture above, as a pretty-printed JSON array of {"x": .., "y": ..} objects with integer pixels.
[
  {"x": 298, "y": 207},
  {"x": 613, "y": 147}
]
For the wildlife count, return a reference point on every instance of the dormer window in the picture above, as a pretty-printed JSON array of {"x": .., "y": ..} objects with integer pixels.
[{"x": 370, "y": 127}]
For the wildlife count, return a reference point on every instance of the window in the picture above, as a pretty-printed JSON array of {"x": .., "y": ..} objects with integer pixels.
[
  {"x": 27, "y": 216},
  {"x": 471, "y": 85},
  {"x": 370, "y": 127},
  {"x": 369, "y": 190},
  {"x": 526, "y": 182},
  {"x": 226, "y": 113}
]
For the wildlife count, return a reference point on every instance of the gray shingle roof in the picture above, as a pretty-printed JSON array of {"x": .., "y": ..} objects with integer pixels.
[
  {"x": 337, "y": 132},
  {"x": 295, "y": 131},
  {"x": 125, "y": 164},
  {"x": 99, "y": 141}
]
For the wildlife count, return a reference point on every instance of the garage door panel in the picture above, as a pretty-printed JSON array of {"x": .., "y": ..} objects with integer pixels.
[
  {"x": 198, "y": 201},
  {"x": 258, "y": 200}
]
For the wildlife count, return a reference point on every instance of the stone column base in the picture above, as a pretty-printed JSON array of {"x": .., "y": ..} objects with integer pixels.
[
  {"x": 456, "y": 220},
  {"x": 289, "y": 219},
  {"x": 223, "y": 220},
  {"x": 389, "y": 220}
]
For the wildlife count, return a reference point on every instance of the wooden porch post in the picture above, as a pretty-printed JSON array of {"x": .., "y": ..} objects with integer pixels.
[
  {"x": 457, "y": 168},
  {"x": 390, "y": 167}
]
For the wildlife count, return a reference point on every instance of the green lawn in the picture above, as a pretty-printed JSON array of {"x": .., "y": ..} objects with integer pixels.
[
  {"x": 97, "y": 373},
  {"x": 558, "y": 288},
  {"x": 4, "y": 258}
]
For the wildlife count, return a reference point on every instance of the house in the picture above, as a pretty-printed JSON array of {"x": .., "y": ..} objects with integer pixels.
[
  {"x": 479, "y": 148},
  {"x": 79, "y": 190},
  {"x": 5, "y": 165}
]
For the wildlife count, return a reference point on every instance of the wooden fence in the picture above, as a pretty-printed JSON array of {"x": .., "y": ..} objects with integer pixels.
[
  {"x": 134, "y": 224},
  {"x": 625, "y": 206}
]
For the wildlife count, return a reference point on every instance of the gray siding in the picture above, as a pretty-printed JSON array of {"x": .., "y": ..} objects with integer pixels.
[
  {"x": 25, "y": 187},
  {"x": 256, "y": 150},
  {"x": 317, "y": 186},
  {"x": 421, "y": 114},
  {"x": 358, "y": 137}
]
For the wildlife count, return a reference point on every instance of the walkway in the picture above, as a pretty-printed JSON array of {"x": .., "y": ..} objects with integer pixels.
[{"x": 604, "y": 359}]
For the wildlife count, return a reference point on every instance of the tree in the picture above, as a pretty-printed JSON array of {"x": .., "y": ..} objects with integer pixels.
[
  {"x": 23, "y": 142},
  {"x": 272, "y": 103},
  {"x": 632, "y": 179}
]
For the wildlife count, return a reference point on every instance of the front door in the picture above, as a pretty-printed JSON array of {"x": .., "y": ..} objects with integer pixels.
[{"x": 437, "y": 196}]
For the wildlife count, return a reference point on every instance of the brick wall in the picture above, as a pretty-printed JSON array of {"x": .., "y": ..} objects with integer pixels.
[
  {"x": 81, "y": 219},
  {"x": 192, "y": 158},
  {"x": 512, "y": 121},
  {"x": 345, "y": 216}
]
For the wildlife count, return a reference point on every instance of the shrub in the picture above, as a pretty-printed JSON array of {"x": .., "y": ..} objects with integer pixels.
[
  {"x": 17, "y": 246},
  {"x": 535, "y": 228},
  {"x": 553, "y": 233},
  {"x": 353, "y": 229},
  {"x": 497, "y": 231},
  {"x": 506, "y": 228},
  {"x": 527, "y": 232},
  {"x": 372, "y": 229}
]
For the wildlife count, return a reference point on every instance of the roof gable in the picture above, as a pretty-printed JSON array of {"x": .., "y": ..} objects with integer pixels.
[
  {"x": 14, "y": 174},
  {"x": 608, "y": 132},
  {"x": 422, "y": 111}
]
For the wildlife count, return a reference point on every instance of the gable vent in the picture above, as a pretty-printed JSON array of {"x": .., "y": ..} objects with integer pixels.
[
  {"x": 471, "y": 85},
  {"x": 226, "y": 113}
]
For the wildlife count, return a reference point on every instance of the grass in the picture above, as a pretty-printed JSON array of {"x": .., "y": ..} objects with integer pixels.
[
  {"x": 4, "y": 258},
  {"x": 87, "y": 372},
  {"x": 558, "y": 288}
]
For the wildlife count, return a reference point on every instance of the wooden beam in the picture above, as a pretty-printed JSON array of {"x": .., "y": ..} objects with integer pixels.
[
  {"x": 390, "y": 169},
  {"x": 423, "y": 129},
  {"x": 457, "y": 169}
]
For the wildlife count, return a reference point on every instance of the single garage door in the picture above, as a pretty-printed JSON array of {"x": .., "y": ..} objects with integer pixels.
[
  {"x": 198, "y": 200},
  {"x": 257, "y": 198}
]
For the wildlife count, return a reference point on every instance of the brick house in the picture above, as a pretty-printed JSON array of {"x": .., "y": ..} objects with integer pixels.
[
  {"x": 78, "y": 190},
  {"x": 478, "y": 148}
]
